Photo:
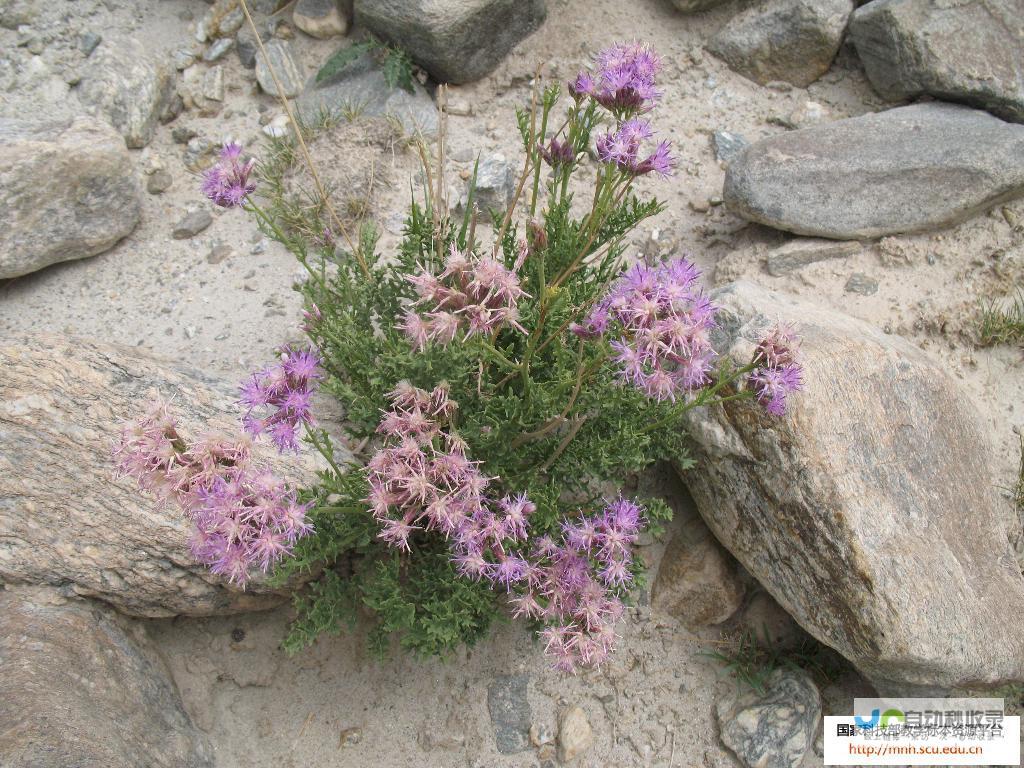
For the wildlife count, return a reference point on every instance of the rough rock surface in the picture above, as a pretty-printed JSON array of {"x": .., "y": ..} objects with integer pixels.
[
  {"x": 131, "y": 88},
  {"x": 281, "y": 57},
  {"x": 697, "y": 581},
  {"x": 494, "y": 187},
  {"x": 80, "y": 688},
  {"x": 910, "y": 169},
  {"x": 773, "y": 728},
  {"x": 851, "y": 510},
  {"x": 790, "y": 40},
  {"x": 64, "y": 521},
  {"x": 456, "y": 41},
  {"x": 911, "y": 47},
  {"x": 67, "y": 190},
  {"x": 361, "y": 86},
  {"x": 510, "y": 712}
]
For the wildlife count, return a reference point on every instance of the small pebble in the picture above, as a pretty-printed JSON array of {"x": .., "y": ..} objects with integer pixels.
[
  {"x": 575, "y": 735},
  {"x": 183, "y": 134},
  {"x": 88, "y": 41},
  {"x": 159, "y": 181},
  {"x": 192, "y": 224},
  {"x": 218, "y": 253},
  {"x": 350, "y": 737},
  {"x": 862, "y": 284}
]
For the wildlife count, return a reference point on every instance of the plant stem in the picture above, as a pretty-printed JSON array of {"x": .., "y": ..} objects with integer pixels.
[
  {"x": 535, "y": 151},
  {"x": 324, "y": 449}
]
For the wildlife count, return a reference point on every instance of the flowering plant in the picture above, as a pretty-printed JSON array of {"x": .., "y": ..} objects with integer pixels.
[{"x": 493, "y": 389}]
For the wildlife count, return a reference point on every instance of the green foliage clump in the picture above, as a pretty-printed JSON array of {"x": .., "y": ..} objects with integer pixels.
[
  {"x": 395, "y": 63},
  {"x": 751, "y": 660},
  {"x": 1002, "y": 325},
  {"x": 541, "y": 410}
]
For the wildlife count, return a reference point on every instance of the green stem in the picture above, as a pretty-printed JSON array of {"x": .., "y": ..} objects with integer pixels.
[
  {"x": 536, "y": 152},
  {"x": 324, "y": 448}
]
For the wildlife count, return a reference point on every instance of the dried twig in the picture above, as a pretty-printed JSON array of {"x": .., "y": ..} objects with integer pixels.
[{"x": 302, "y": 143}]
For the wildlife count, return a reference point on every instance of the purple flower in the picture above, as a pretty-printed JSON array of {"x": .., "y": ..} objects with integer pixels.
[
  {"x": 623, "y": 146},
  {"x": 663, "y": 322},
  {"x": 777, "y": 374},
  {"x": 557, "y": 153},
  {"x": 227, "y": 183},
  {"x": 624, "y": 80},
  {"x": 285, "y": 390},
  {"x": 244, "y": 517}
]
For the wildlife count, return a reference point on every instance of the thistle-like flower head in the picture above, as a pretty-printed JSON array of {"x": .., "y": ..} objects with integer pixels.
[
  {"x": 227, "y": 183},
  {"x": 623, "y": 80}
]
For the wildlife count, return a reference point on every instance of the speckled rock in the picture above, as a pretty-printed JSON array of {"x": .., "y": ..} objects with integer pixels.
[
  {"x": 509, "y": 708},
  {"x": 64, "y": 520},
  {"x": 911, "y": 47},
  {"x": 281, "y": 57},
  {"x": 81, "y": 688},
  {"x": 130, "y": 87},
  {"x": 456, "y": 41},
  {"x": 67, "y": 189},
  {"x": 910, "y": 169},
  {"x": 843, "y": 508},
  {"x": 772, "y": 728}
]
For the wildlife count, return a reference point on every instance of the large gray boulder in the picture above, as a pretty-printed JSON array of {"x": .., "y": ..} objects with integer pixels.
[
  {"x": 910, "y": 169},
  {"x": 131, "y": 87},
  {"x": 67, "y": 190},
  {"x": 961, "y": 51},
  {"x": 456, "y": 41},
  {"x": 81, "y": 688},
  {"x": 64, "y": 520},
  {"x": 869, "y": 512},
  {"x": 790, "y": 40}
]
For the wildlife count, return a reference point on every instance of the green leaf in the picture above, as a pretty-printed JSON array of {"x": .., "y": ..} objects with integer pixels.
[
  {"x": 341, "y": 59},
  {"x": 398, "y": 69}
]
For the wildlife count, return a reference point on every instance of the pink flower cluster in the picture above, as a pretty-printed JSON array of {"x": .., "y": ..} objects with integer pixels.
[
  {"x": 421, "y": 479},
  {"x": 473, "y": 294},
  {"x": 245, "y": 518},
  {"x": 623, "y": 148},
  {"x": 572, "y": 584},
  {"x": 663, "y": 320},
  {"x": 284, "y": 393},
  {"x": 624, "y": 80},
  {"x": 778, "y": 374},
  {"x": 227, "y": 183}
]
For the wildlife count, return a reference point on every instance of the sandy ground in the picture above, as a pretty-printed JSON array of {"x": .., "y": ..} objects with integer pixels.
[{"x": 334, "y": 706}]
